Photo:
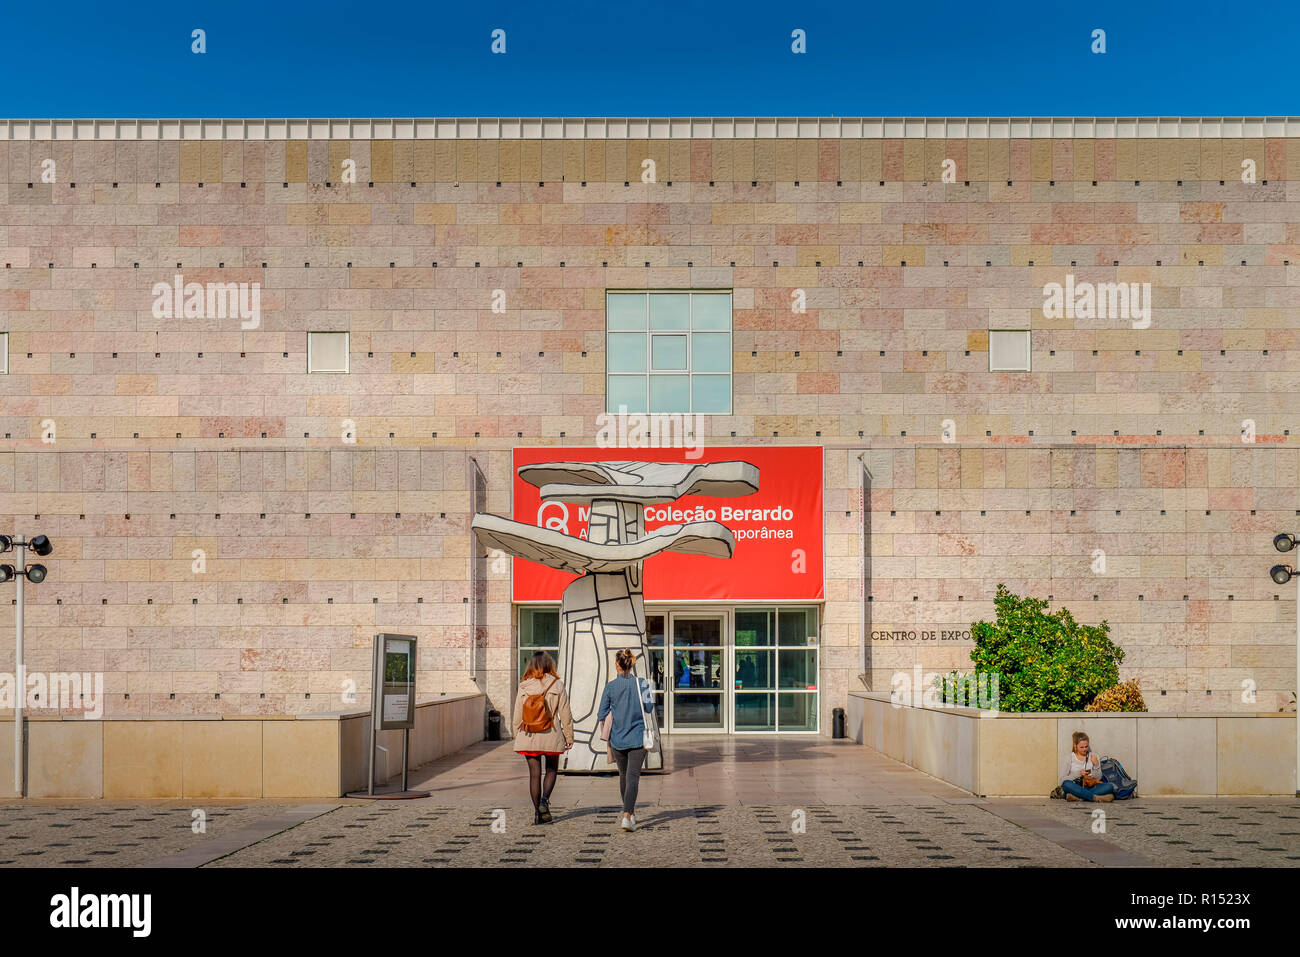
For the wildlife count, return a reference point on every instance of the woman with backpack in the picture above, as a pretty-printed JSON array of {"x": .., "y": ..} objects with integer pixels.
[
  {"x": 626, "y": 702},
  {"x": 543, "y": 729}
]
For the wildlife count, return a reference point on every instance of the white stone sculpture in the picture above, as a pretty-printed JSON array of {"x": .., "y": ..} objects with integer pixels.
[{"x": 603, "y": 611}]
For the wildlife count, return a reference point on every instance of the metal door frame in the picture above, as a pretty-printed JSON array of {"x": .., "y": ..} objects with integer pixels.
[{"x": 723, "y": 614}]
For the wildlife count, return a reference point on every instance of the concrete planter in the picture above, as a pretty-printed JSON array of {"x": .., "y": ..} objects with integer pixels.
[
  {"x": 1019, "y": 755},
  {"x": 236, "y": 757}
]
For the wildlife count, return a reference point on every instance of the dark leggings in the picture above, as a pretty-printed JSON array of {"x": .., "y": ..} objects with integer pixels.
[
  {"x": 535, "y": 790},
  {"x": 629, "y": 775}
]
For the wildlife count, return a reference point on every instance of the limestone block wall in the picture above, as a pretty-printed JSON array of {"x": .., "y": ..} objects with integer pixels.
[
  {"x": 246, "y": 581},
  {"x": 107, "y": 411},
  {"x": 1170, "y": 546}
]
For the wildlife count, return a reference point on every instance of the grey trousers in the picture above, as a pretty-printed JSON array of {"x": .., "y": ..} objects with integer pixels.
[{"x": 629, "y": 775}]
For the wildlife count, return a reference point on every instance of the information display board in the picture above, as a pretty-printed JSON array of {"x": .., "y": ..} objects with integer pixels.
[{"x": 394, "y": 682}]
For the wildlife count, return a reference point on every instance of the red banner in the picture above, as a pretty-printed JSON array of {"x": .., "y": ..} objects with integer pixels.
[{"x": 778, "y": 529}]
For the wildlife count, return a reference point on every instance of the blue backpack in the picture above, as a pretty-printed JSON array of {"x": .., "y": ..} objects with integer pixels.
[{"x": 1113, "y": 773}]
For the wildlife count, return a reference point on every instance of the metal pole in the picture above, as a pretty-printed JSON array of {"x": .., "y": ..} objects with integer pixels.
[
  {"x": 862, "y": 568},
  {"x": 20, "y": 692},
  {"x": 376, "y": 678},
  {"x": 406, "y": 740},
  {"x": 864, "y": 550},
  {"x": 471, "y": 468}
]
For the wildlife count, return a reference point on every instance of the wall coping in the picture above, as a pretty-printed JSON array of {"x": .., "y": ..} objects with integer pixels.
[
  {"x": 1082, "y": 715},
  {"x": 652, "y": 128},
  {"x": 8, "y": 715}
]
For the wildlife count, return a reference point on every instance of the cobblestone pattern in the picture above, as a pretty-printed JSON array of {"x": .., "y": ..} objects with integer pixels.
[
  {"x": 110, "y": 836},
  {"x": 420, "y": 834},
  {"x": 424, "y": 833},
  {"x": 1195, "y": 835}
]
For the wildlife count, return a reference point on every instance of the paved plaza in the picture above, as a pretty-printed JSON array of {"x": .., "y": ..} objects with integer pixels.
[{"x": 724, "y": 801}]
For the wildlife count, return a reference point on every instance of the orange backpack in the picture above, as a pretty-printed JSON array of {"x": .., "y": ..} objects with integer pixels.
[{"x": 535, "y": 717}]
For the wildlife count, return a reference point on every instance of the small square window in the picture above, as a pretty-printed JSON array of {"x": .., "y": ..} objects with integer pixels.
[
  {"x": 327, "y": 352},
  {"x": 1008, "y": 350}
]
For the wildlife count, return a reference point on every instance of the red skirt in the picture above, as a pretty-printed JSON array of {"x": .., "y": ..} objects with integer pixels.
[{"x": 538, "y": 754}]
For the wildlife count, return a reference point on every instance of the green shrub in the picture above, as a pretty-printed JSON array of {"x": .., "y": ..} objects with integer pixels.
[
  {"x": 1046, "y": 662},
  {"x": 1123, "y": 697}
]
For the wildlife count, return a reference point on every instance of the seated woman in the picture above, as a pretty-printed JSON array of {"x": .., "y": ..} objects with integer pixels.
[{"x": 1080, "y": 770}]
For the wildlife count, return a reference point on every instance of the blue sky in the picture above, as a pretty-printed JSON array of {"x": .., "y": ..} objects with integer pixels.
[{"x": 576, "y": 58}]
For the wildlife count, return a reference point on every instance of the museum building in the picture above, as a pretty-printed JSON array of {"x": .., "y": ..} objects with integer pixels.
[{"x": 259, "y": 376}]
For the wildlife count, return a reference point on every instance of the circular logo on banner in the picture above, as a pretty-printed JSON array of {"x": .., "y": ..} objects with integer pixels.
[{"x": 558, "y": 523}]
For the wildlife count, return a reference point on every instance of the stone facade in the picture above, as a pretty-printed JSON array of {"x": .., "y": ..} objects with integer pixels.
[{"x": 1125, "y": 440}]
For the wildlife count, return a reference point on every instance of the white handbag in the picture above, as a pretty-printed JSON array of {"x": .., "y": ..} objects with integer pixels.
[{"x": 650, "y": 734}]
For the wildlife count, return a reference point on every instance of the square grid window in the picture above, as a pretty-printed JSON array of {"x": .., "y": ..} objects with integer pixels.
[
  {"x": 668, "y": 352},
  {"x": 327, "y": 352},
  {"x": 776, "y": 669},
  {"x": 539, "y": 630},
  {"x": 1008, "y": 350}
]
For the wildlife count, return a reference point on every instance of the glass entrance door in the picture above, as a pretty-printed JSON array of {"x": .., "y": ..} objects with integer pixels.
[{"x": 695, "y": 675}]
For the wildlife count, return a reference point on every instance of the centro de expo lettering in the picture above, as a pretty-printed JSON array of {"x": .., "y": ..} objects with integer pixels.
[{"x": 950, "y": 634}]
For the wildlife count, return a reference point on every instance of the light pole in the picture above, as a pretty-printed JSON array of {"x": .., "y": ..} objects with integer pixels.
[
  {"x": 20, "y": 574},
  {"x": 1283, "y": 574}
]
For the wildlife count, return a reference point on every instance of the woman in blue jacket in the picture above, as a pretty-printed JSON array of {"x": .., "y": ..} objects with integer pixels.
[{"x": 629, "y": 700}]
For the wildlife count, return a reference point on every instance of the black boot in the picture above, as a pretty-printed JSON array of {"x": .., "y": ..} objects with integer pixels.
[
  {"x": 544, "y": 812},
  {"x": 537, "y": 816}
]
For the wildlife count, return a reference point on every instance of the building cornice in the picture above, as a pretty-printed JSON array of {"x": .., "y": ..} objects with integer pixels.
[{"x": 1218, "y": 127}]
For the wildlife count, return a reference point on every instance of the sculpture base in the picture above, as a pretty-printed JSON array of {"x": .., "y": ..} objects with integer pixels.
[
  {"x": 584, "y": 761},
  {"x": 612, "y": 771}
]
